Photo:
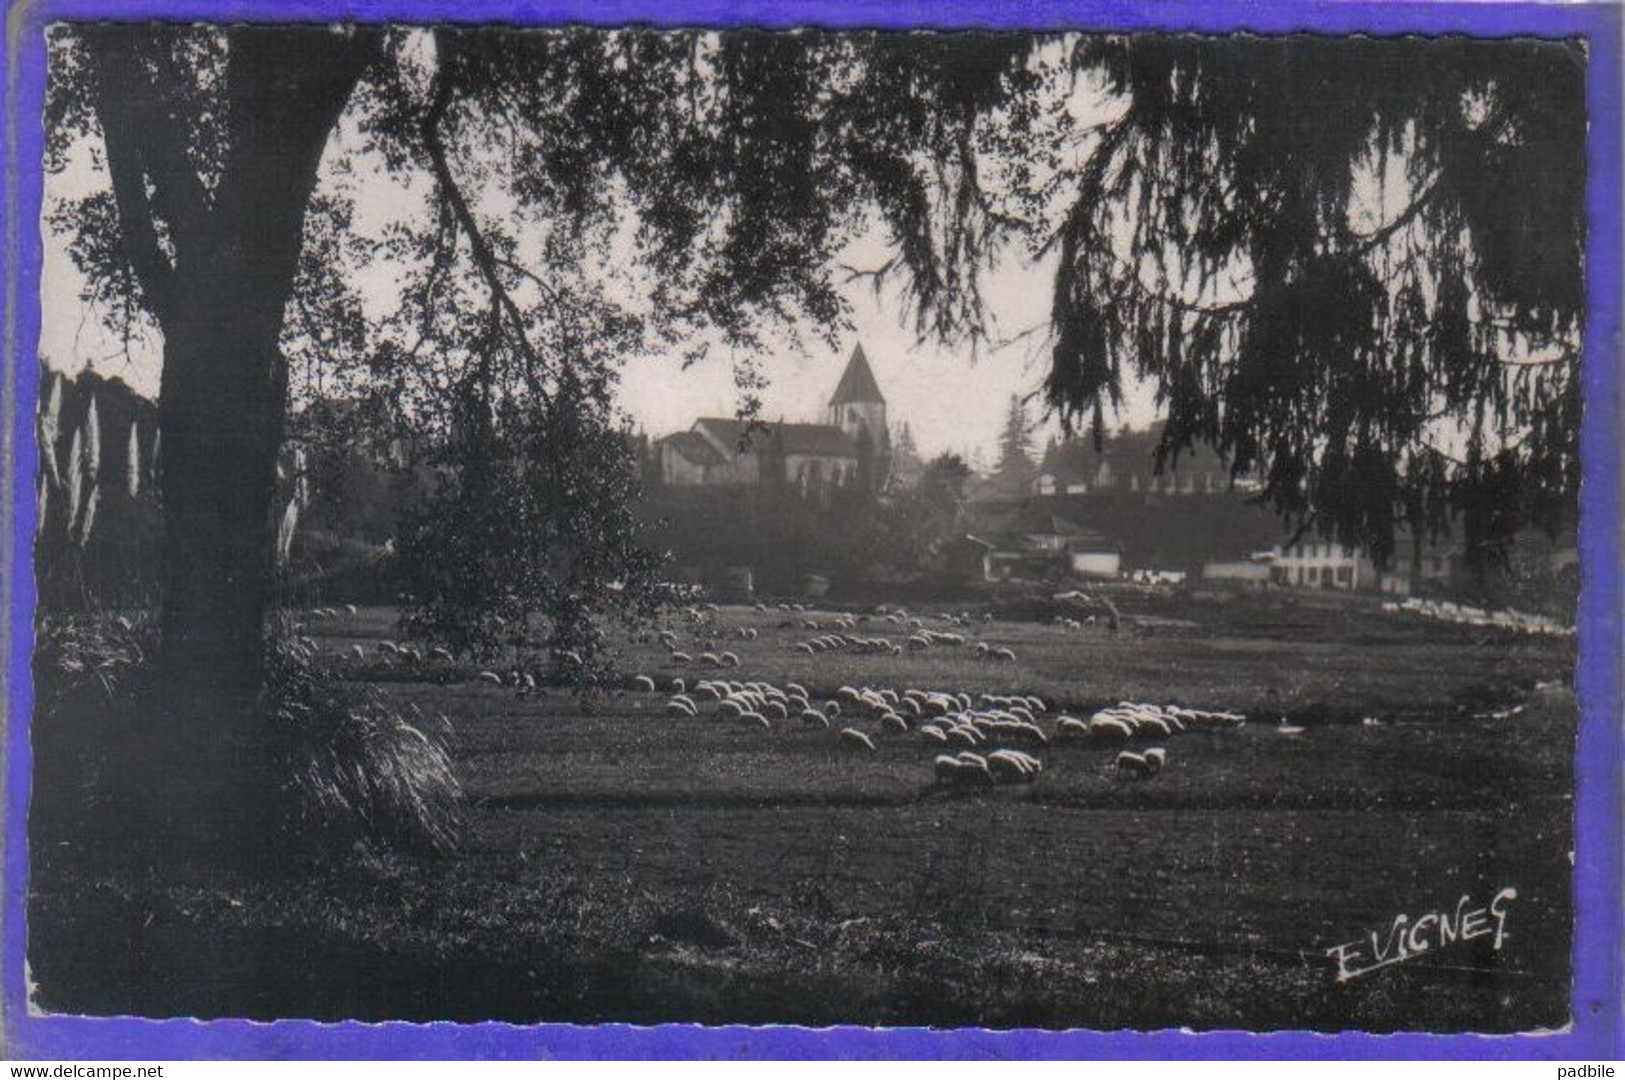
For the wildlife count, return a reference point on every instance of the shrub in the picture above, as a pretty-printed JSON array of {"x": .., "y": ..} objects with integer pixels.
[{"x": 343, "y": 763}]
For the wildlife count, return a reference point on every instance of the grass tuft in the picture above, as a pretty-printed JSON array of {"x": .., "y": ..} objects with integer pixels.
[{"x": 361, "y": 766}]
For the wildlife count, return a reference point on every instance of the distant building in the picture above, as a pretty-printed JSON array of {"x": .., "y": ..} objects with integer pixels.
[
  {"x": 1327, "y": 565},
  {"x": 1032, "y": 544},
  {"x": 1126, "y": 462},
  {"x": 1322, "y": 564},
  {"x": 718, "y": 451}
]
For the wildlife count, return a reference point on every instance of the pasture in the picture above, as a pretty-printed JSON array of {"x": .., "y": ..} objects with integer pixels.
[{"x": 624, "y": 864}]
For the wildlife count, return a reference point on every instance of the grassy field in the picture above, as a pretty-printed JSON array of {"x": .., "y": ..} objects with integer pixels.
[{"x": 620, "y": 864}]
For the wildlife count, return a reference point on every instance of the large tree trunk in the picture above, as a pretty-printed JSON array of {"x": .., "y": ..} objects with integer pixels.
[
  {"x": 219, "y": 291},
  {"x": 221, "y": 418},
  {"x": 223, "y": 403}
]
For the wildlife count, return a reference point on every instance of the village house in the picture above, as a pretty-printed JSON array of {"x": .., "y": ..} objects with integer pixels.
[
  {"x": 1038, "y": 545},
  {"x": 1126, "y": 462}
]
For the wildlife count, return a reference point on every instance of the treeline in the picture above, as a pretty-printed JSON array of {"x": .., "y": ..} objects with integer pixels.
[{"x": 790, "y": 536}]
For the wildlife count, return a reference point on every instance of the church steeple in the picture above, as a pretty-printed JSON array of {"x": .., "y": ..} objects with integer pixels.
[
  {"x": 857, "y": 385},
  {"x": 857, "y": 406}
]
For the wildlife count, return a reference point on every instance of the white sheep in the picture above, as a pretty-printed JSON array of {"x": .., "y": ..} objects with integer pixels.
[
  {"x": 857, "y": 738},
  {"x": 1109, "y": 729},
  {"x": 1072, "y": 727},
  {"x": 1134, "y": 766},
  {"x": 1012, "y": 766}
]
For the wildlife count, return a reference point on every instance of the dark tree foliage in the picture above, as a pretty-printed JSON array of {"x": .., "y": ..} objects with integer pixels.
[
  {"x": 740, "y": 164},
  {"x": 917, "y": 524},
  {"x": 1386, "y": 349},
  {"x": 1385, "y": 356},
  {"x": 1016, "y": 441}
]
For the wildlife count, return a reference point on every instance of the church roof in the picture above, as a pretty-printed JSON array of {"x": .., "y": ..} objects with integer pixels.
[
  {"x": 693, "y": 446},
  {"x": 815, "y": 440},
  {"x": 858, "y": 382}
]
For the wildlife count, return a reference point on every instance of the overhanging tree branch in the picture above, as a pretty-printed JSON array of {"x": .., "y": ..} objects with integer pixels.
[
  {"x": 486, "y": 260},
  {"x": 117, "y": 98}
]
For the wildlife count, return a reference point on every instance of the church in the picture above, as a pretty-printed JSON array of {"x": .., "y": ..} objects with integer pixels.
[{"x": 720, "y": 451}]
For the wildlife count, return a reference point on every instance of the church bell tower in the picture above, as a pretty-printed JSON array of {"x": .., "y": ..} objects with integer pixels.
[{"x": 857, "y": 406}]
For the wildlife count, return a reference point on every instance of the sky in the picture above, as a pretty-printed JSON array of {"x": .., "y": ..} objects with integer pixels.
[{"x": 951, "y": 398}]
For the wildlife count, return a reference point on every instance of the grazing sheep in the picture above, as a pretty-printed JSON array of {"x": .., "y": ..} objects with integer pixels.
[
  {"x": 814, "y": 718},
  {"x": 1154, "y": 725},
  {"x": 730, "y": 659},
  {"x": 933, "y": 734},
  {"x": 682, "y": 658},
  {"x": 1156, "y": 757},
  {"x": 358, "y": 652},
  {"x": 755, "y": 719},
  {"x": 1012, "y": 766},
  {"x": 778, "y": 709},
  {"x": 892, "y": 722},
  {"x": 857, "y": 738},
  {"x": 1072, "y": 727},
  {"x": 1006, "y": 655},
  {"x": 681, "y": 706},
  {"x": 730, "y": 708},
  {"x": 832, "y": 709},
  {"x": 1109, "y": 729},
  {"x": 678, "y": 686},
  {"x": 644, "y": 683},
  {"x": 490, "y": 677},
  {"x": 973, "y": 769},
  {"x": 349, "y": 609},
  {"x": 1132, "y": 766}
]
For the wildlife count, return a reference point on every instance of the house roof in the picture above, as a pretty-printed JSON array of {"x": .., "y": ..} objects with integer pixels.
[
  {"x": 1127, "y": 452},
  {"x": 693, "y": 446},
  {"x": 857, "y": 382},
  {"x": 814, "y": 440}
]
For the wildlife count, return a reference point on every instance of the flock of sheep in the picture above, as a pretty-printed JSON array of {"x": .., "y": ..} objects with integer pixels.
[
  {"x": 1467, "y": 615},
  {"x": 985, "y": 741}
]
